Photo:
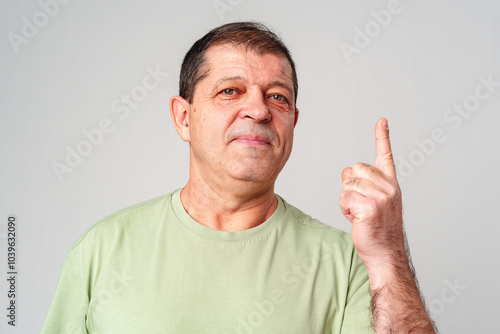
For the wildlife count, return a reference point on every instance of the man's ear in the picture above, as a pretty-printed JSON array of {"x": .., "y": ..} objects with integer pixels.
[
  {"x": 179, "y": 110},
  {"x": 296, "y": 117}
]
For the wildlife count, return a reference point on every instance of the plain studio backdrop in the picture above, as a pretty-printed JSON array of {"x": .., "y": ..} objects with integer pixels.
[{"x": 86, "y": 130}]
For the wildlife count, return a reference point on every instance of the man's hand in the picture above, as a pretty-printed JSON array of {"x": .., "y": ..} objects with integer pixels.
[{"x": 371, "y": 200}]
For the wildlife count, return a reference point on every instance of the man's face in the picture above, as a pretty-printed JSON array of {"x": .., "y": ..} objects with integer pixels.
[{"x": 242, "y": 117}]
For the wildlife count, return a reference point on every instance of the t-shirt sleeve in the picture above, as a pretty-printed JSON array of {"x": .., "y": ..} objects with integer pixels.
[
  {"x": 67, "y": 313},
  {"x": 358, "y": 317}
]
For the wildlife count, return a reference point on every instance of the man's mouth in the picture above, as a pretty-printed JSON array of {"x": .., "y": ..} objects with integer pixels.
[{"x": 252, "y": 140}]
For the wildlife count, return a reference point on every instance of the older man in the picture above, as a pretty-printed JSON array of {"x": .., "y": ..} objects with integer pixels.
[{"x": 225, "y": 254}]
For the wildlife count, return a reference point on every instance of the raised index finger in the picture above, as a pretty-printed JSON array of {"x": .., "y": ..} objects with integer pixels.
[{"x": 384, "y": 160}]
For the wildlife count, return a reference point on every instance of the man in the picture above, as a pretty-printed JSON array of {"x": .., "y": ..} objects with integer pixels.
[{"x": 225, "y": 254}]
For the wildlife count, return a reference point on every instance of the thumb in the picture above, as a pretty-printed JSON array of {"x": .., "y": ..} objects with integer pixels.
[{"x": 346, "y": 173}]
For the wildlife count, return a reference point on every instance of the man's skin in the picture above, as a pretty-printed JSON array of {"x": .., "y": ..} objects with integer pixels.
[
  {"x": 240, "y": 137},
  {"x": 371, "y": 200},
  {"x": 240, "y": 128}
]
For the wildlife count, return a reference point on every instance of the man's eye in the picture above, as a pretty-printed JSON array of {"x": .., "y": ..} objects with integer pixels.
[
  {"x": 229, "y": 91},
  {"x": 278, "y": 97}
]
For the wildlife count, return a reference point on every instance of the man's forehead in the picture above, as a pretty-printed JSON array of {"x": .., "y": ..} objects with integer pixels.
[{"x": 227, "y": 56}]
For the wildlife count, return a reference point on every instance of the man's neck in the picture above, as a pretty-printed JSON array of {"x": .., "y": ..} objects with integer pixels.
[{"x": 227, "y": 210}]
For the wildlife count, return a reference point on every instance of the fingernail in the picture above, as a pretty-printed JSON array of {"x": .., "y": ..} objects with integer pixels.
[{"x": 385, "y": 124}]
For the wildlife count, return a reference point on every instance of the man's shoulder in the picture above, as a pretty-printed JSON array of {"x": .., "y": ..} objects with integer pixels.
[
  {"x": 143, "y": 210},
  {"x": 315, "y": 227},
  {"x": 129, "y": 220},
  {"x": 313, "y": 237}
]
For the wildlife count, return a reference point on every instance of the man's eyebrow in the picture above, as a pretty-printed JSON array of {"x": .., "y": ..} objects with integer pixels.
[
  {"x": 224, "y": 79},
  {"x": 282, "y": 84}
]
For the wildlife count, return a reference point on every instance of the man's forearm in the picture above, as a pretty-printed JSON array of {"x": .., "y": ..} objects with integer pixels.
[
  {"x": 371, "y": 200},
  {"x": 396, "y": 301}
]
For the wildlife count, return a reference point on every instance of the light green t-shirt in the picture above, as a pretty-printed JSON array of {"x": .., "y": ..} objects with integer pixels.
[{"x": 152, "y": 269}]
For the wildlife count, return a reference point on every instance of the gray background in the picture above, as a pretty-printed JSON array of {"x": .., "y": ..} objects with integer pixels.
[{"x": 64, "y": 78}]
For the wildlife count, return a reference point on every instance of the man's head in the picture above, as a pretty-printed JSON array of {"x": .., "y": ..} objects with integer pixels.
[
  {"x": 250, "y": 35},
  {"x": 239, "y": 113}
]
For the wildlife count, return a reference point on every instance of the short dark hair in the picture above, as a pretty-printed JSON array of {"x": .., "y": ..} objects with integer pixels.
[{"x": 251, "y": 35}]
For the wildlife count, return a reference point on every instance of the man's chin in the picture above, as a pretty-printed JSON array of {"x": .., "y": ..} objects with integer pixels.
[{"x": 254, "y": 173}]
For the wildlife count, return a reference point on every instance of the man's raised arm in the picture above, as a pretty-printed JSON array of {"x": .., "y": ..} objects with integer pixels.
[{"x": 371, "y": 201}]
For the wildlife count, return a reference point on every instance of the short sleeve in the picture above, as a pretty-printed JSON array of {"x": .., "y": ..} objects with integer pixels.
[
  {"x": 358, "y": 317},
  {"x": 67, "y": 313},
  {"x": 358, "y": 312}
]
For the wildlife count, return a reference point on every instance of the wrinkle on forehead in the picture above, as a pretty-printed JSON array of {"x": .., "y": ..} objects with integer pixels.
[{"x": 260, "y": 61}]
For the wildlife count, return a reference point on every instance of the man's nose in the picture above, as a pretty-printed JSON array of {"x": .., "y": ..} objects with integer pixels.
[{"x": 256, "y": 107}]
